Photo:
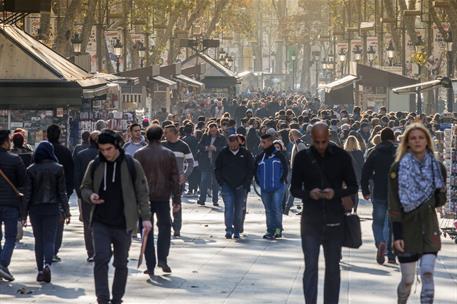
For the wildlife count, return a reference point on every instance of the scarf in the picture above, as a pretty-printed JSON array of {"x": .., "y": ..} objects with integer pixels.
[{"x": 418, "y": 180}]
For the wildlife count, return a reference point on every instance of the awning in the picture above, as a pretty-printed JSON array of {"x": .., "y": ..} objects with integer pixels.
[
  {"x": 189, "y": 81},
  {"x": 118, "y": 79},
  {"x": 244, "y": 74},
  {"x": 423, "y": 86},
  {"x": 164, "y": 81},
  {"x": 374, "y": 77},
  {"x": 339, "y": 83}
]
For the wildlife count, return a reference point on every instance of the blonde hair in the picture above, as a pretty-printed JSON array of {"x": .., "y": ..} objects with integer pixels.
[
  {"x": 352, "y": 144},
  {"x": 403, "y": 146},
  {"x": 376, "y": 140}
]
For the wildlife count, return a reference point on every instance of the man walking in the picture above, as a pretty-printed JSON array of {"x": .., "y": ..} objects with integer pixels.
[
  {"x": 185, "y": 162},
  {"x": 234, "y": 172},
  {"x": 11, "y": 210},
  {"x": 271, "y": 175},
  {"x": 318, "y": 175},
  {"x": 376, "y": 168},
  {"x": 66, "y": 160},
  {"x": 82, "y": 160},
  {"x": 162, "y": 176},
  {"x": 136, "y": 141},
  {"x": 116, "y": 186}
]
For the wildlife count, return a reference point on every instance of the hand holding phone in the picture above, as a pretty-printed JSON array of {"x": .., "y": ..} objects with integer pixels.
[{"x": 95, "y": 199}]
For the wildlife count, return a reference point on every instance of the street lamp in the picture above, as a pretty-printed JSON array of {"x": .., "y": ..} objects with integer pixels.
[
  {"x": 221, "y": 54},
  {"x": 342, "y": 58},
  {"x": 117, "y": 52},
  {"x": 141, "y": 53},
  {"x": 229, "y": 62},
  {"x": 357, "y": 53},
  {"x": 293, "y": 71},
  {"x": 371, "y": 54},
  {"x": 390, "y": 52},
  {"x": 450, "y": 69},
  {"x": 316, "y": 58},
  {"x": 76, "y": 42}
]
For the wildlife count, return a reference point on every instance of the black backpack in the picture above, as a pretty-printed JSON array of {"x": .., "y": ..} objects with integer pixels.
[{"x": 130, "y": 166}]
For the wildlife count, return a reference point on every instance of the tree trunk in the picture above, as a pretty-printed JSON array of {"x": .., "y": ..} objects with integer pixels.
[
  {"x": 45, "y": 22},
  {"x": 62, "y": 42},
  {"x": 88, "y": 23},
  {"x": 220, "y": 6},
  {"x": 305, "y": 83}
]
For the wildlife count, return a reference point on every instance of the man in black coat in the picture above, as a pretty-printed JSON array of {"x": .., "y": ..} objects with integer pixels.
[
  {"x": 66, "y": 160},
  {"x": 81, "y": 161},
  {"x": 234, "y": 172},
  {"x": 318, "y": 175},
  {"x": 376, "y": 168},
  {"x": 11, "y": 209}
]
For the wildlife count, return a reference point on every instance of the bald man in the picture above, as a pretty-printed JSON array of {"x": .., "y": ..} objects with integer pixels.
[{"x": 318, "y": 175}]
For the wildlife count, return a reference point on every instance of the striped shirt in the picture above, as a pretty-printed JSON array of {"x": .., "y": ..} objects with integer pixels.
[{"x": 183, "y": 155}]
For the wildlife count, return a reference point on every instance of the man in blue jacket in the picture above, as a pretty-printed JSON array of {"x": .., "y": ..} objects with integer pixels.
[{"x": 271, "y": 175}]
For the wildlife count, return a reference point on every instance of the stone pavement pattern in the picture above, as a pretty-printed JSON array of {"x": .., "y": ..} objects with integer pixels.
[{"x": 208, "y": 269}]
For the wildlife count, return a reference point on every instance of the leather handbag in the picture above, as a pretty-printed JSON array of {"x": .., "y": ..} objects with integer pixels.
[{"x": 352, "y": 231}]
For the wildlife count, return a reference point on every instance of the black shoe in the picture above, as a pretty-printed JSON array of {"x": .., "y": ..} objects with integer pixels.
[
  {"x": 236, "y": 236},
  {"x": 216, "y": 204},
  {"x": 201, "y": 203},
  {"x": 90, "y": 259},
  {"x": 116, "y": 302},
  {"x": 6, "y": 274},
  {"x": 228, "y": 235},
  {"x": 177, "y": 234},
  {"x": 165, "y": 267},
  {"x": 269, "y": 236},
  {"x": 40, "y": 277},
  {"x": 56, "y": 259},
  {"x": 150, "y": 273},
  {"x": 47, "y": 274}
]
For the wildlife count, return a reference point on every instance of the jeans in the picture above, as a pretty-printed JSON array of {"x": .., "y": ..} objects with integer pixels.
[
  {"x": 311, "y": 243},
  {"x": 162, "y": 211},
  {"x": 9, "y": 217},
  {"x": 177, "y": 216},
  {"x": 235, "y": 207},
  {"x": 194, "y": 179},
  {"x": 44, "y": 231},
  {"x": 85, "y": 210},
  {"x": 208, "y": 178},
  {"x": 381, "y": 226},
  {"x": 103, "y": 237},
  {"x": 272, "y": 202}
]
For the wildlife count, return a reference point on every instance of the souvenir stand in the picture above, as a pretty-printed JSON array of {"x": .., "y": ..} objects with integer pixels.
[{"x": 449, "y": 157}]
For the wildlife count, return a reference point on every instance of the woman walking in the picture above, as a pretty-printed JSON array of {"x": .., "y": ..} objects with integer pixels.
[
  {"x": 416, "y": 187},
  {"x": 47, "y": 204},
  {"x": 352, "y": 146}
]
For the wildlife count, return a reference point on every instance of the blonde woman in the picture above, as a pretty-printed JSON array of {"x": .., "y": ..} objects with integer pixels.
[
  {"x": 416, "y": 187},
  {"x": 352, "y": 146}
]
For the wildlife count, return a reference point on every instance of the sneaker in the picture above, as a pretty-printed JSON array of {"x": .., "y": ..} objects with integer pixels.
[
  {"x": 228, "y": 235},
  {"x": 40, "y": 277},
  {"x": 56, "y": 259},
  {"x": 165, "y": 267},
  {"x": 201, "y": 203},
  {"x": 47, "y": 274},
  {"x": 90, "y": 260},
  {"x": 236, "y": 235},
  {"x": 6, "y": 274},
  {"x": 380, "y": 256},
  {"x": 278, "y": 233},
  {"x": 269, "y": 236},
  {"x": 216, "y": 204}
]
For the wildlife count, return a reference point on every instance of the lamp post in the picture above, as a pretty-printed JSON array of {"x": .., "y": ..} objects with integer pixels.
[
  {"x": 390, "y": 52},
  {"x": 141, "y": 53},
  {"x": 316, "y": 58},
  {"x": 293, "y": 71},
  {"x": 450, "y": 68},
  {"x": 342, "y": 58},
  {"x": 357, "y": 53},
  {"x": 76, "y": 42},
  {"x": 118, "y": 53},
  {"x": 420, "y": 59},
  {"x": 331, "y": 64},
  {"x": 371, "y": 54}
]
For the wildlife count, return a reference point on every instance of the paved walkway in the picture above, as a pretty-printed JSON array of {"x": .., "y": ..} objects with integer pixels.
[{"x": 208, "y": 269}]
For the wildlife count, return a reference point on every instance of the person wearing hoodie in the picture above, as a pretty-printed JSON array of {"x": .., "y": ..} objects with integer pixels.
[
  {"x": 136, "y": 141},
  {"x": 47, "y": 204},
  {"x": 376, "y": 168},
  {"x": 116, "y": 187}
]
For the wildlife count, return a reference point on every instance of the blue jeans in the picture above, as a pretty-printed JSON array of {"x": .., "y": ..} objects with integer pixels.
[
  {"x": 208, "y": 179},
  {"x": 162, "y": 211},
  {"x": 272, "y": 202},
  {"x": 381, "y": 225},
  {"x": 9, "y": 216},
  {"x": 235, "y": 206},
  {"x": 311, "y": 243},
  {"x": 44, "y": 231}
]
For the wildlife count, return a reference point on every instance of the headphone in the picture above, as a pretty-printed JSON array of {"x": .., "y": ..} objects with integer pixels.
[{"x": 111, "y": 137}]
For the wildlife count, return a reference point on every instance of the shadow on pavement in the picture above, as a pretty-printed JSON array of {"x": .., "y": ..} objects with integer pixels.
[
  {"x": 366, "y": 270},
  {"x": 168, "y": 281},
  {"x": 24, "y": 291}
]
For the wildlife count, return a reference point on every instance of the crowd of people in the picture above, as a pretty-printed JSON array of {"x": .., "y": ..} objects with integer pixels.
[{"x": 289, "y": 145}]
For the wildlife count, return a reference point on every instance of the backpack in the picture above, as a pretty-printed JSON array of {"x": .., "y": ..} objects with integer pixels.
[
  {"x": 269, "y": 173},
  {"x": 130, "y": 166}
]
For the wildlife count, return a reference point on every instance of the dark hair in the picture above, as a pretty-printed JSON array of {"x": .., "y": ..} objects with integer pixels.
[
  {"x": 267, "y": 136},
  {"x": 154, "y": 133},
  {"x": 387, "y": 134},
  {"x": 4, "y": 136},
  {"x": 189, "y": 128},
  {"x": 166, "y": 123},
  {"x": 18, "y": 140},
  {"x": 171, "y": 127},
  {"x": 85, "y": 136},
  {"x": 53, "y": 133},
  {"x": 108, "y": 136},
  {"x": 133, "y": 125}
]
